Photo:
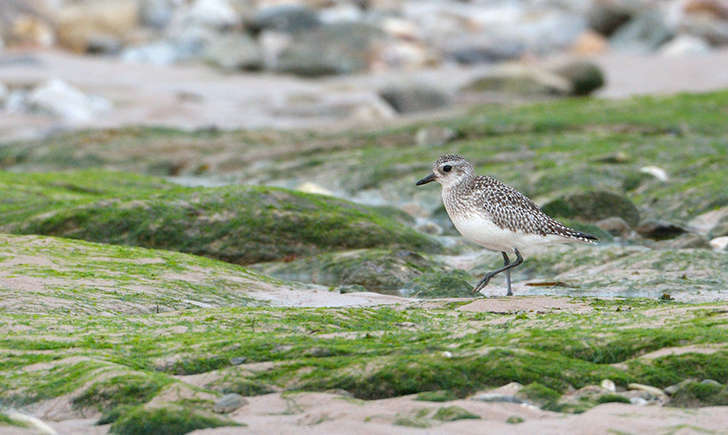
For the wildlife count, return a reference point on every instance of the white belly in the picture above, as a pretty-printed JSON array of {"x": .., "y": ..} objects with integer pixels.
[{"x": 485, "y": 233}]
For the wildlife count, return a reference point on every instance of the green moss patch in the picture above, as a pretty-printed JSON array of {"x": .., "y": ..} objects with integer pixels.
[{"x": 165, "y": 421}]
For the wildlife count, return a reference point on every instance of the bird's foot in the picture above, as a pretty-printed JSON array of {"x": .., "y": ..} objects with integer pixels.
[{"x": 483, "y": 282}]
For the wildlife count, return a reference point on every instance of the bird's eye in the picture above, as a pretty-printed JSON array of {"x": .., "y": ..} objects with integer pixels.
[{"x": 446, "y": 168}]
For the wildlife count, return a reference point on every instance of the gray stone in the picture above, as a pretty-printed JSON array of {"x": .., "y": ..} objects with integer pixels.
[
  {"x": 284, "y": 18},
  {"x": 410, "y": 98},
  {"x": 585, "y": 77},
  {"x": 660, "y": 230},
  {"x": 653, "y": 391},
  {"x": 606, "y": 16},
  {"x": 236, "y": 361},
  {"x": 156, "y": 13},
  {"x": 519, "y": 80},
  {"x": 711, "y": 29},
  {"x": 229, "y": 403},
  {"x": 686, "y": 241},
  {"x": 233, "y": 52},
  {"x": 469, "y": 50},
  {"x": 497, "y": 398},
  {"x": 156, "y": 53},
  {"x": 434, "y": 135},
  {"x": 711, "y": 382},
  {"x": 341, "y": 48},
  {"x": 643, "y": 34}
]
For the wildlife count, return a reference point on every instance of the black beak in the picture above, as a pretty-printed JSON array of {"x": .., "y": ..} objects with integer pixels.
[{"x": 426, "y": 180}]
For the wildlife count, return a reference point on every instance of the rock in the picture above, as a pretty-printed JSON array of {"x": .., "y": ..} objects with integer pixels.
[
  {"x": 519, "y": 80},
  {"x": 404, "y": 55},
  {"x": 615, "y": 226},
  {"x": 654, "y": 391},
  {"x": 497, "y": 398},
  {"x": 672, "y": 389},
  {"x": 273, "y": 44},
  {"x": 409, "y": 98},
  {"x": 656, "y": 172},
  {"x": 639, "y": 401},
  {"x": 331, "y": 49},
  {"x": 719, "y": 243},
  {"x": 585, "y": 77},
  {"x": 289, "y": 18},
  {"x": 434, "y": 136},
  {"x": 606, "y": 16},
  {"x": 351, "y": 288},
  {"x": 711, "y": 382},
  {"x": 687, "y": 241},
  {"x": 643, "y": 34},
  {"x": 428, "y": 227},
  {"x": 608, "y": 385},
  {"x": 347, "y": 13},
  {"x": 236, "y": 361},
  {"x": 234, "y": 52},
  {"x": 92, "y": 25},
  {"x": 707, "y": 223},
  {"x": 63, "y": 100},
  {"x": 660, "y": 230},
  {"x": 594, "y": 206},
  {"x": 156, "y": 53},
  {"x": 485, "y": 49},
  {"x": 30, "y": 30},
  {"x": 229, "y": 403},
  {"x": 683, "y": 45},
  {"x": 589, "y": 43},
  {"x": 614, "y": 158},
  {"x": 156, "y": 13},
  {"x": 705, "y": 19},
  {"x": 720, "y": 229},
  {"x": 212, "y": 13},
  {"x": 438, "y": 284}
]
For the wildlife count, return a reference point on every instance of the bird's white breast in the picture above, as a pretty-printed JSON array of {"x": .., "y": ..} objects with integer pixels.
[{"x": 481, "y": 230}]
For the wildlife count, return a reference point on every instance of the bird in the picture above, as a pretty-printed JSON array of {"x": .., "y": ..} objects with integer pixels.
[{"x": 495, "y": 215}]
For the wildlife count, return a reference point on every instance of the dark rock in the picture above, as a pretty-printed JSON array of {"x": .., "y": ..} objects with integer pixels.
[
  {"x": 606, "y": 16},
  {"x": 594, "y": 206},
  {"x": 233, "y": 51},
  {"x": 415, "y": 98},
  {"x": 341, "y": 48},
  {"x": 643, "y": 34},
  {"x": 614, "y": 158},
  {"x": 520, "y": 80},
  {"x": 660, "y": 230},
  {"x": 229, "y": 403},
  {"x": 585, "y": 77},
  {"x": 284, "y": 18}
]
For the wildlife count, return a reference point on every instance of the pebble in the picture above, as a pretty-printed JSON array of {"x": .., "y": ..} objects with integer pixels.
[
  {"x": 608, "y": 385},
  {"x": 719, "y": 243}
]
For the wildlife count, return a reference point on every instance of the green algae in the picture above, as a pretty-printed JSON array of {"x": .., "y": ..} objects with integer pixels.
[{"x": 165, "y": 421}]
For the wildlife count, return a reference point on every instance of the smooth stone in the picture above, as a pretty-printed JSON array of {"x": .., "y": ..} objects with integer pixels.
[
  {"x": 289, "y": 18},
  {"x": 656, "y": 172},
  {"x": 411, "y": 98},
  {"x": 498, "y": 398},
  {"x": 156, "y": 13},
  {"x": 234, "y": 52},
  {"x": 585, "y": 77},
  {"x": 65, "y": 101},
  {"x": 711, "y": 382},
  {"x": 229, "y": 403},
  {"x": 654, "y": 391},
  {"x": 685, "y": 45},
  {"x": 719, "y": 243},
  {"x": 638, "y": 401},
  {"x": 615, "y": 226},
  {"x": 643, "y": 34},
  {"x": 608, "y": 385},
  {"x": 519, "y": 80}
]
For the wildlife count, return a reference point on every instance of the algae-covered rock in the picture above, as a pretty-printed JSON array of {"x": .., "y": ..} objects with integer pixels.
[
  {"x": 585, "y": 77},
  {"x": 594, "y": 206},
  {"x": 240, "y": 224},
  {"x": 391, "y": 271}
]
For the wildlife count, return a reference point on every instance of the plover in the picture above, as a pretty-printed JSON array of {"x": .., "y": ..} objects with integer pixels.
[{"x": 494, "y": 215}]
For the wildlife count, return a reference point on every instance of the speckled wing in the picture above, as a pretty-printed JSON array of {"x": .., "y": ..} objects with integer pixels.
[{"x": 512, "y": 210}]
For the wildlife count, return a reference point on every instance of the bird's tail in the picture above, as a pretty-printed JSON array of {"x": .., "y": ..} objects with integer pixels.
[{"x": 578, "y": 235}]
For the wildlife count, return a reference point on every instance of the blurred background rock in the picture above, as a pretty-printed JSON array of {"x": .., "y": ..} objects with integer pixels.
[{"x": 400, "y": 56}]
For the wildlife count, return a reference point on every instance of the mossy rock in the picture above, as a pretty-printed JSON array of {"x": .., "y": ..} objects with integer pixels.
[
  {"x": 453, "y": 413},
  {"x": 378, "y": 270},
  {"x": 594, "y": 206},
  {"x": 166, "y": 421},
  {"x": 239, "y": 224},
  {"x": 695, "y": 394},
  {"x": 585, "y": 77},
  {"x": 438, "y": 284}
]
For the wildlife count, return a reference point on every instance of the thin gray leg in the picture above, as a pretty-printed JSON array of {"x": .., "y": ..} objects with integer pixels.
[{"x": 506, "y": 268}]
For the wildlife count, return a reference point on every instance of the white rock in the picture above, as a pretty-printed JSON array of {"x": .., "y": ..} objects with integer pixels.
[
  {"x": 638, "y": 401},
  {"x": 609, "y": 385},
  {"x": 447, "y": 354},
  {"x": 340, "y": 13},
  {"x": 685, "y": 45},
  {"x": 705, "y": 222},
  {"x": 272, "y": 43},
  {"x": 63, "y": 100},
  {"x": 156, "y": 53},
  {"x": 719, "y": 243},
  {"x": 309, "y": 187},
  {"x": 16, "y": 102},
  {"x": 656, "y": 172},
  {"x": 215, "y": 13}
]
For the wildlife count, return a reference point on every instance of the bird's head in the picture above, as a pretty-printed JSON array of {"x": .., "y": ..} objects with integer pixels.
[{"x": 449, "y": 170}]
